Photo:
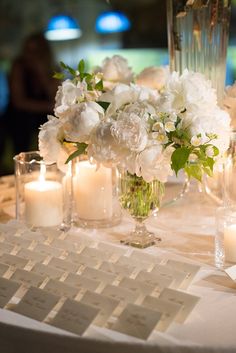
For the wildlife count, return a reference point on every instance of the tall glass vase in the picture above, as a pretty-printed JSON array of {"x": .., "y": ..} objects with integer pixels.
[{"x": 198, "y": 38}]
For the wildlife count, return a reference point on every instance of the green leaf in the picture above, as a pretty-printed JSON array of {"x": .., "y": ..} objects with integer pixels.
[
  {"x": 81, "y": 66},
  {"x": 72, "y": 71},
  {"x": 179, "y": 158},
  {"x": 99, "y": 85},
  {"x": 195, "y": 171},
  {"x": 81, "y": 148},
  {"x": 104, "y": 105},
  {"x": 63, "y": 65},
  {"x": 59, "y": 75}
]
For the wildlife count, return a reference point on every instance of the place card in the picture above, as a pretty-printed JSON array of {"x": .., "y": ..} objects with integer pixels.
[
  {"x": 118, "y": 270},
  {"x": 82, "y": 283},
  {"x": 190, "y": 270},
  {"x": 137, "y": 321},
  {"x": 31, "y": 255},
  {"x": 231, "y": 272},
  {"x": 123, "y": 295},
  {"x": 3, "y": 269},
  {"x": 75, "y": 316},
  {"x": 188, "y": 302},
  {"x": 98, "y": 275},
  {"x": 137, "y": 286},
  {"x": 63, "y": 265},
  {"x": 48, "y": 250},
  {"x": 105, "y": 305},
  {"x": 177, "y": 277},
  {"x": 6, "y": 247},
  {"x": 144, "y": 257},
  {"x": 48, "y": 271},
  {"x": 61, "y": 289},
  {"x": 168, "y": 310},
  {"x": 13, "y": 260},
  {"x": 138, "y": 264},
  {"x": 36, "y": 304},
  {"x": 80, "y": 240},
  {"x": 7, "y": 290},
  {"x": 82, "y": 260},
  {"x": 115, "y": 250},
  {"x": 157, "y": 281},
  {"x": 96, "y": 254},
  {"x": 33, "y": 235},
  {"x": 67, "y": 245},
  {"x": 18, "y": 240},
  {"x": 27, "y": 278}
]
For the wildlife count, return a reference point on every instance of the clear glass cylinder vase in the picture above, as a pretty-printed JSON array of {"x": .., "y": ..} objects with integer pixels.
[
  {"x": 43, "y": 192},
  {"x": 95, "y": 200},
  {"x": 198, "y": 37}
]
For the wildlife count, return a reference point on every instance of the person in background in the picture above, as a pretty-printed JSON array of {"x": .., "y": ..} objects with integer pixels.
[{"x": 32, "y": 92}]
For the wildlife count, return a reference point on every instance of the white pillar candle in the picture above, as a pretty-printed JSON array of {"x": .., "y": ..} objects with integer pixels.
[
  {"x": 93, "y": 191},
  {"x": 230, "y": 243},
  {"x": 43, "y": 202}
]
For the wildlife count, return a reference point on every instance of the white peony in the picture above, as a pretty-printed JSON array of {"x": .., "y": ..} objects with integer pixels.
[
  {"x": 116, "y": 70},
  {"x": 153, "y": 77},
  {"x": 69, "y": 94},
  {"x": 51, "y": 135},
  {"x": 130, "y": 131},
  {"x": 155, "y": 163},
  {"x": 81, "y": 121}
]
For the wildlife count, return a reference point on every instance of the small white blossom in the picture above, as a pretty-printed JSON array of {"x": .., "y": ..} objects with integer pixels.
[
  {"x": 210, "y": 151},
  {"x": 169, "y": 126},
  {"x": 192, "y": 157},
  {"x": 196, "y": 141}
]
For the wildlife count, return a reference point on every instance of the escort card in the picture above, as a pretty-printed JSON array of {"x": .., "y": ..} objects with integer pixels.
[
  {"x": 67, "y": 245},
  {"x": 27, "y": 278},
  {"x": 118, "y": 270},
  {"x": 137, "y": 286},
  {"x": 48, "y": 271},
  {"x": 115, "y": 250},
  {"x": 31, "y": 255},
  {"x": 187, "y": 301},
  {"x": 155, "y": 280},
  {"x": 18, "y": 240},
  {"x": 6, "y": 247},
  {"x": 96, "y": 254},
  {"x": 138, "y": 264},
  {"x": 148, "y": 258},
  {"x": 231, "y": 272},
  {"x": 168, "y": 310},
  {"x": 61, "y": 289},
  {"x": 98, "y": 275},
  {"x": 63, "y": 265},
  {"x": 48, "y": 250},
  {"x": 7, "y": 290},
  {"x": 36, "y": 236},
  {"x": 3, "y": 269},
  {"x": 105, "y": 304},
  {"x": 80, "y": 240},
  {"x": 13, "y": 260},
  {"x": 82, "y": 283},
  {"x": 176, "y": 276},
  {"x": 82, "y": 260},
  {"x": 36, "y": 304},
  {"x": 121, "y": 294},
  {"x": 74, "y": 316},
  {"x": 137, "y": 321},
  {"x": 190, "y": 270}
]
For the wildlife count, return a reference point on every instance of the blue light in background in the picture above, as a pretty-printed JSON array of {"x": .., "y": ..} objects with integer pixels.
[
  {"x": 112, "y": 22},
  {"x": 62, "y": 27}
]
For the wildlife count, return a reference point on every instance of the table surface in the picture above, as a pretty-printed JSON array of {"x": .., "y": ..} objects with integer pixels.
[{"x": 187, "y": 228}]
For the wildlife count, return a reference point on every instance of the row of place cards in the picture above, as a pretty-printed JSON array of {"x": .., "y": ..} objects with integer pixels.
[{"x": 72, "y": 282}]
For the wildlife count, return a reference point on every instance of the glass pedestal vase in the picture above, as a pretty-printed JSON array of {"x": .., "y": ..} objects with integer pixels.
[{"x": 140, "y": 199}]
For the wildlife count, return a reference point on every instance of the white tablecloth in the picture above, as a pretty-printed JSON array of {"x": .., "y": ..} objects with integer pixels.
[{"x": 187, "y": 230}]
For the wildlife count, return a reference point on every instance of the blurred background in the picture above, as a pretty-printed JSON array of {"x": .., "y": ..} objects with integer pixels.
[{"x": 27, "y": 60}]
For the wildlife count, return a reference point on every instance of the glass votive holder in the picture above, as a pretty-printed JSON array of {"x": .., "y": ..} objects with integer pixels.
[
  {"x": 43, "y": 192},
  {"x": 225, "y": 238},
  {"x": 95, "y": 194}
]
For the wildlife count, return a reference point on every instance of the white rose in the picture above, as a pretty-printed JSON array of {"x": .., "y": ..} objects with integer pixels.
[
  {"x": 116, "y": 70},
  {"x": 153, "y": 77},
  {"x": 130, "y": 131},
  {"x": 51, "y": 135},
  {"x": 155, "y": 163},
  {"x": 82, "y": 121}
]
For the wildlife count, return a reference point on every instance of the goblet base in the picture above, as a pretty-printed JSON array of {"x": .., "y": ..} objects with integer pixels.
[{"x": 141, "y": 240}]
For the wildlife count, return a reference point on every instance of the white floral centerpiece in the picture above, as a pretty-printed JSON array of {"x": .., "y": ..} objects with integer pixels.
[{"x": 147, "y": 132}]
